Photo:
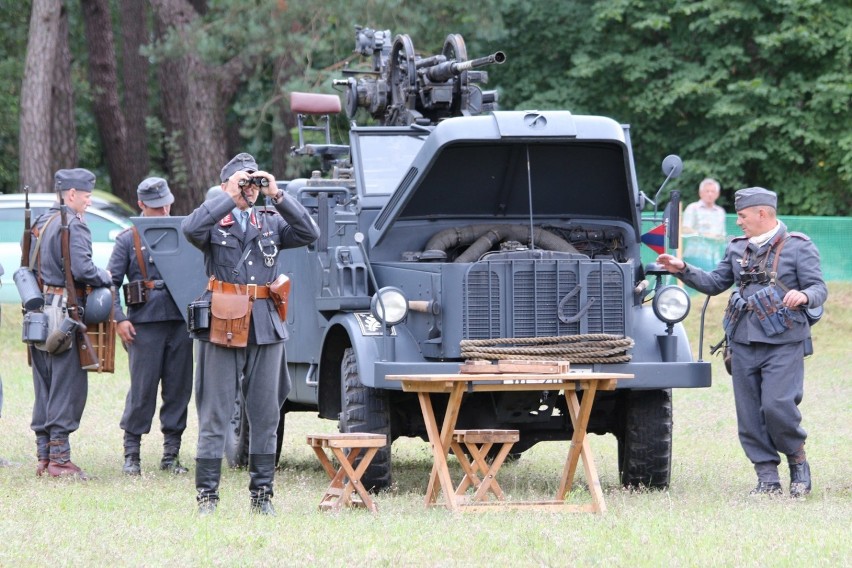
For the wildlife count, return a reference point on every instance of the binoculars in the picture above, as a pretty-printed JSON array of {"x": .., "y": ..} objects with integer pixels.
[{"x": 258, "y": 181}]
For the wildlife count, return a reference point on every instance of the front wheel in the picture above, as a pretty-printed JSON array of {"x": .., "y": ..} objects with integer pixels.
[
  {"x": 645, "y": 439},
  {"x": 365, "y": 409}
]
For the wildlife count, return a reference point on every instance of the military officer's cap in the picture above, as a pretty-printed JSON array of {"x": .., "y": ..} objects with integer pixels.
[
  {"x": 154, "y": 192},
  {"x": 242, "y": 162},
  {"x": 754, "y": 196},
  {"x": 77, "y": 178}
]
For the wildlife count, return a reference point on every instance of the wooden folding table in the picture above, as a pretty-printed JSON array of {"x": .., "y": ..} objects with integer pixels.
[{"x": 459, "y": 384}]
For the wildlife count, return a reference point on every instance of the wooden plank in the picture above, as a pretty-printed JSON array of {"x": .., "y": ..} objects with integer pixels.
[
  {"x": 532, "y": 366},
  {"x": 474, "y": 366}
]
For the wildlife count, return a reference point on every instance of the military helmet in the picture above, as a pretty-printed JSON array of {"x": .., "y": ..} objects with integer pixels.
[{"x": 98, "y": 305}]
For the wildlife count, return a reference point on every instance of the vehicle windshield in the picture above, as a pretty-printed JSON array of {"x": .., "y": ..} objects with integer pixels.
[{"x": 385, "y": 159}]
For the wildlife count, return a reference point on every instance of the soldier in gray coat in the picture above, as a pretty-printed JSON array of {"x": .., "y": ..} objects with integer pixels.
[
  {"x": 61, "y": 385},
  {"x": 154, "y": 333},
  {"x": 777, "y": 274},
  {"x": 240, "y": 247}
]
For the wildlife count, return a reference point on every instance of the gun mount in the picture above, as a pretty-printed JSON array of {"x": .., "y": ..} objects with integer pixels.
[{"x": 404, "y": 88}]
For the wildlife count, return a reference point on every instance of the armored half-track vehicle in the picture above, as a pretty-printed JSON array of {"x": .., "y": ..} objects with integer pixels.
[{"x": 454, "y": 231}]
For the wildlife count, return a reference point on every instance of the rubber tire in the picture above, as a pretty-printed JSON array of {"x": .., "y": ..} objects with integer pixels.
[
  {"x": 237, "y": 437},
  {"x": 365, "y": 409},
  {"x": 645, "y": 441}
]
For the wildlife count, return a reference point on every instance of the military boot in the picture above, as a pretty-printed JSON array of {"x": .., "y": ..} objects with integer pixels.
[
  {"x": 132, "y": 465},
  {"x": 42, "y": 454},
  {"x": 60, "y": 464},
  {"x": 800, "y": 473},
  {"x": 207, "y": 474},
  {"x": 170, "y": 461},
  {"x": 261, "y": 479}
]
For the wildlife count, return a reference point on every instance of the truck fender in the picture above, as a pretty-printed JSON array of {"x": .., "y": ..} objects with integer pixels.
[{"x": 343, "y": 331}]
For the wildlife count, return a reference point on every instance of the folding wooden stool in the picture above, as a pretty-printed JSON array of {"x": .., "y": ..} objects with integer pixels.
[
  {"x": 346, "y": 480},
  {"x": 478, "y": 444}
]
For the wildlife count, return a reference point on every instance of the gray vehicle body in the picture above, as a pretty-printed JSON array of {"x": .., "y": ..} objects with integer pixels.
[{"x": 573, "y": 175}]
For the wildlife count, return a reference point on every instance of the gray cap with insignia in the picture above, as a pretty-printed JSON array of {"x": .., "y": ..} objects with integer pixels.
[
  {"x": 154, "y": 192},
  {"x": 754, "y": 196},
  {"x": 242, "y": 162},
  {"x": 76, "y": 178}
]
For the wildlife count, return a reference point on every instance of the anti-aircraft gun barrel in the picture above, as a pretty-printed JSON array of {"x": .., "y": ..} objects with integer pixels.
[{"x": 445, "y": 71}]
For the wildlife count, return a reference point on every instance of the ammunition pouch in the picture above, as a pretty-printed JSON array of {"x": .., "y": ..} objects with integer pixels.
[
  {"x": 136, "y": 292},
  {"x": 733, "y": 313},
  {"x": 279, "y": 291},
  {"x": 774, "y": 316},
  {"x": 230, "y": 316},
  {"x": 198, "y": 316},
  {"x": 758, "y": 277}
]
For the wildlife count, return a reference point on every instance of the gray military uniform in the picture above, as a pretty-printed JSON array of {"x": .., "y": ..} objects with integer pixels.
[
  {"x": 768, "y": 372},
  {"x": 259, "y": 368},
  {"x": 61, "y": 385},
  {"x": 160, "y": 352}
]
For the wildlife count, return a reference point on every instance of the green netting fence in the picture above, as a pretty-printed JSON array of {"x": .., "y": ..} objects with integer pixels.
[{"x": 832, "y": 236}]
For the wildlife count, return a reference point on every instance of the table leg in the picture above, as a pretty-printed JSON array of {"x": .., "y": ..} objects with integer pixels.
[
  {"x": 579, "y": 414},
  {"x": 440, "y": 441}
]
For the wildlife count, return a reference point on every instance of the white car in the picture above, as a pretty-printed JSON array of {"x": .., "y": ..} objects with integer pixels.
[{"x": 106, "y": 217}]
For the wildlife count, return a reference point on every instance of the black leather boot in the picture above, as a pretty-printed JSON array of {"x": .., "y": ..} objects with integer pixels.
[
  {"x": 171, "y": 463},
  {"x": 800, "y": 479},
  {"x": 132, "y": 464},
  {"x": 207, "y": 474},
  {"x": 261, "y": 479}
]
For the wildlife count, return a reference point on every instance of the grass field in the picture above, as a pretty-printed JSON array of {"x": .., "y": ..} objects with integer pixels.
[{"x": 704, "y": 519}]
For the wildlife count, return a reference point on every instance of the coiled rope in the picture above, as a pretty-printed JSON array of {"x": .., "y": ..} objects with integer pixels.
[{"x": 588, "y": 348}]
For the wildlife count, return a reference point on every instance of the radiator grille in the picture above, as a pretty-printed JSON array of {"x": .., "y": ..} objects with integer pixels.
[{"x": 521, "y": 298}]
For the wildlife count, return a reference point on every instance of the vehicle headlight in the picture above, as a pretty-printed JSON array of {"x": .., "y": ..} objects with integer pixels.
[
  {"x": 393, "y": 306},
  {"x": 671, "y": 304}
]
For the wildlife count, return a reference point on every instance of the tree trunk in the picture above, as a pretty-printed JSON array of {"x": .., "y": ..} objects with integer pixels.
[
  {"x": 194, "y": 99},
  {"x": 35, "y": 132},
  {"x": 135, "y": 67},
  {"x": 63, "y": 123},
  {"x": 104, "y": 79}
]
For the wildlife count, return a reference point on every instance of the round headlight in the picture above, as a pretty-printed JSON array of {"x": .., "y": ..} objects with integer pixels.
[
  {"x": 671, "y": 304},
  {"x": 393, "y": 306}
]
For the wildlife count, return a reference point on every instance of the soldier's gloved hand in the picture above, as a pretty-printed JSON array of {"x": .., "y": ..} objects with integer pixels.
[{"x": 126, "y": 331}]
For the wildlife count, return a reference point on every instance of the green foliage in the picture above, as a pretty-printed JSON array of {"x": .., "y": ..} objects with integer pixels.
[
  {"x": 753, "y": 93},
  {"x": 750, "y": 92},
  {"x": 14, "y": 24}
]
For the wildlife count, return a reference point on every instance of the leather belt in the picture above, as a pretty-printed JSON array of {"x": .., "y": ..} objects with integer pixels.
[
  {"x": 59, "y": 290},
  {"x": 259, "y": 292},
  {"x": 154, "y": 284}
]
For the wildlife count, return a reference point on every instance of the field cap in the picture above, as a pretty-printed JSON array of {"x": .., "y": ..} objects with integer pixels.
[
  {"x": 753, "y": 196},
  {"x": 242, "y": 162},
  {"x": 77, "y": 178},
  {"x": 154, "y": 192}
]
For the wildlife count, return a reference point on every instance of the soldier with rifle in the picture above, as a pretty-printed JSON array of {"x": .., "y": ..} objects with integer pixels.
[
  {"x": 154, "y": 332},
  {"x": 63, "y": 265}
]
